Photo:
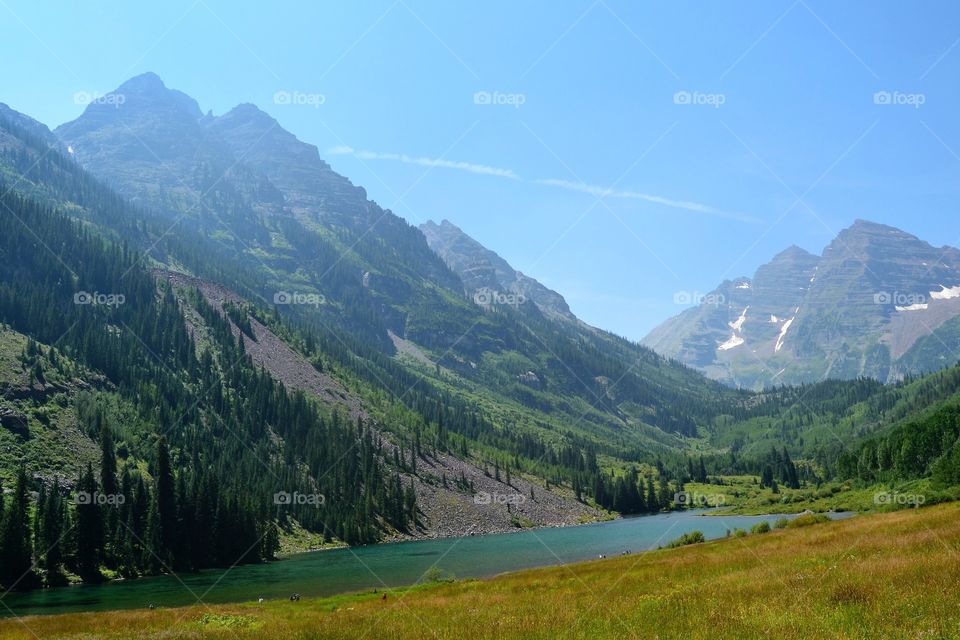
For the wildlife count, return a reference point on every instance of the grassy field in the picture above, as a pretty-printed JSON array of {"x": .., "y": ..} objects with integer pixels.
[
  {"x": 891, "y": 575},
  {"x": 743, "y": 495}
]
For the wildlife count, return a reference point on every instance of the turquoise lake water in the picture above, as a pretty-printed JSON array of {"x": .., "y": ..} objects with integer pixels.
[{"x": 386, "y": 565}]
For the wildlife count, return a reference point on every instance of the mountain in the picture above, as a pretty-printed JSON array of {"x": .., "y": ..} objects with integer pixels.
[
  {"x": 492, "y": 283},
  {"x": 877, "y": 302},
  {"x": 277, "y": 324},
  {"x": 486, "y": 274},
  {"x": 199, "y": 316},
  {"x": 283, "y": 223}
]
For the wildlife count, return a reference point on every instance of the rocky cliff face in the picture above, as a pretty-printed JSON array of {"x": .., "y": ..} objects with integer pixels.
[{"x": 874, "y": 295}]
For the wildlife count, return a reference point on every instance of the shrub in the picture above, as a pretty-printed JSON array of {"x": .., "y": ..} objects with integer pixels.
[
  {"x": 760, "y": 527},
  {"x": 781, "y": 523},
  {"x": 694, "y": 537},
  {"x": 807, "y": 519},
  {"x": 739, "y": 533},
  {"x": 436, "y": 574}
]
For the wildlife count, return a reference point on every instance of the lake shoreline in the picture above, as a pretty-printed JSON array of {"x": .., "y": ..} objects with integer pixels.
[{"x": 385, "y": 565}]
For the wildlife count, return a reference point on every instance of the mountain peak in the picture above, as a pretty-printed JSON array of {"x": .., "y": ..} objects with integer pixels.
[
  {"x": 864, "y": 233},
  {"x": 862, "y": 224},
  {"x": 444, "y": 224},
  {"x": 148, "y": 81},
  {"x": 146, "y": 93},
  {"x": 867, "y": 228},
  {"x": 792, "y": 252},
  {"x": 249, "y": 112}
]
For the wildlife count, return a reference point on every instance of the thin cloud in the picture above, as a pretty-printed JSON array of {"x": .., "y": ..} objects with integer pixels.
[
  {"x": 602, "y": 192},
  {"x": 424, "y": 161},
  {"x": 499, "y": 172},
  {"x": 340, "y": 150}
]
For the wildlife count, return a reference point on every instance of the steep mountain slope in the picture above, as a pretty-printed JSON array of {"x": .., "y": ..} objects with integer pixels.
[
  {"x": 486, "y": 276},
  {"x": 40, "y": 392},
  {"x": 213, "y": 318},
  {"x": 294, "y": 230},
  {"x": 489, "y": 280},
  {"x": 878, "y": 302},
  {"x": 446, "y": 508}
]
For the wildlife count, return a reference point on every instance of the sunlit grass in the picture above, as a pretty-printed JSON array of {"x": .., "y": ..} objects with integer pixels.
[
  {"x": 891, "y": 575},
  {"x": 743, "y": 495}
]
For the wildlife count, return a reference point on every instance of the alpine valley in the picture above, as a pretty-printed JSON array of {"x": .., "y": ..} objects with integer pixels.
[{"x": 215, "y": 349}]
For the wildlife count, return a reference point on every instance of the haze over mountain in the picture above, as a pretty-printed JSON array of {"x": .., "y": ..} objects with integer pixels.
[
  {"x": 878, "y": 302},
  {"x": 482, "y": 270},
  {"x": 336, "y": 297},
  {"x": 291, "y": 224}
]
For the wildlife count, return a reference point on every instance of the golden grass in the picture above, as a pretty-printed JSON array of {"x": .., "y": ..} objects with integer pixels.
[{"x": 893, "y": 575}]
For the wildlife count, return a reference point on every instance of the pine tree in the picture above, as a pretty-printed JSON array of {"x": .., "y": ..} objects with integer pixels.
[
  {"x": 89, "y": 528},
  {"x": 166, "y": 501},
  {"x": 110, "y": 489},
  {"x": 152, "y": 556},
  {"x": 16, "y": 552},
  {"x": 652, "y": 503},
  {"x": 51, "y": 532}
]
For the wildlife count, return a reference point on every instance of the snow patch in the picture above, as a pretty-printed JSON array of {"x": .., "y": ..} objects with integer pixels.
[
  {"x": 743, "y": 285},
  {"x": 773, "y": 319},
  {"x": 783, "y": 332},
  {"x": 946, "y": 294},
  {"x": 737, "y": 324},
  {"x": 913, "y": 307},
  {"x": 734, "y": 341}
]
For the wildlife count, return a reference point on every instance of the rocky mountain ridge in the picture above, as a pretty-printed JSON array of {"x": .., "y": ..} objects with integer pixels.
[{"x": 873, "y": 304}]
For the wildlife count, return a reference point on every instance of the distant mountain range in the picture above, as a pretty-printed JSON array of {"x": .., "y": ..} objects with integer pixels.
[{"x": 878, "y": 303}]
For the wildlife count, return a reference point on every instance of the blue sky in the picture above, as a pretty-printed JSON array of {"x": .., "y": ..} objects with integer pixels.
[{"x": 620, "y": 152}]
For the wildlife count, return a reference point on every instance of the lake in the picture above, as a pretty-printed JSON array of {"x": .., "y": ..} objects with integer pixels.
[{"x": 325, "y": 573}]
